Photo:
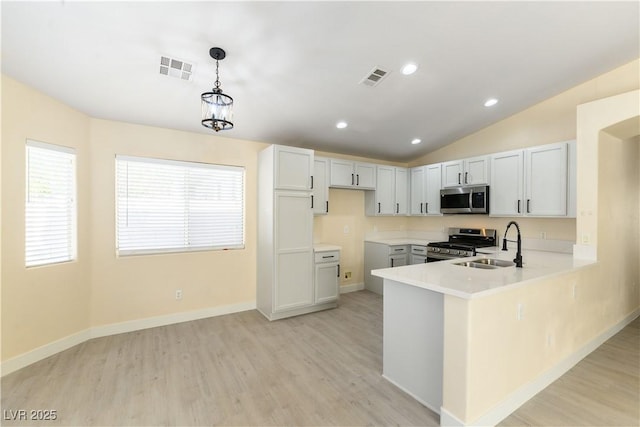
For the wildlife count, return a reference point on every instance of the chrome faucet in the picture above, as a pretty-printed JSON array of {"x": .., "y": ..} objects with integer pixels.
[{"x": 518, "y": 258}]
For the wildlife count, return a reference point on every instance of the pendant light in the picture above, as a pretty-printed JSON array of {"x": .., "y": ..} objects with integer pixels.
[{"x": 217, "y": 107}]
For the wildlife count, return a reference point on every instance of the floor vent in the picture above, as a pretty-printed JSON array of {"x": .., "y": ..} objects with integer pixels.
[
  {"x": 175, "y": 68},
  {"x": 374, "y": 77}
]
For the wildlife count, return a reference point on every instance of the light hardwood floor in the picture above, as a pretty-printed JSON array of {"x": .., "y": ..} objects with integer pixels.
[{"x": 318, "y": 369}]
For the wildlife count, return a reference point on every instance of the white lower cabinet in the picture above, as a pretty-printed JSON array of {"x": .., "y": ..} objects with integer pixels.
[
  {"x": 285, "y": 259},
  {"x": 380, "y": 255},
  {"x": 327, "y": 275}
]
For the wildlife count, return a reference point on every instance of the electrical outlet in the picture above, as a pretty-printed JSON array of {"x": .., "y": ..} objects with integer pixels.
[
  {"x": 573, "y": 289},
  {"x": 549, "y": 339},
  {"x": 585, "y": 238},
  {"x": 543, "y": 235},
  {"x": 520, "y": 311},
  {"x": 178, "y": 294},
  {"x": 347, "y": 275},
  {"x": 346, "y": 229}
]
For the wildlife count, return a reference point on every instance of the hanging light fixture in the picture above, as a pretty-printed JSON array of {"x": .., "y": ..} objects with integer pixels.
[{"x": 217, "y": 107}]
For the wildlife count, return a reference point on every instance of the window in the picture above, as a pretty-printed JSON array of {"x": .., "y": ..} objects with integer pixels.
[
  {"x": 173, "y": 206},
  {"x": 50, "y": 208}
]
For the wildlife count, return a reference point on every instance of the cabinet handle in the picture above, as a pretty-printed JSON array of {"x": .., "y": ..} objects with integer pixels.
[
  {"x": 378, "y": 207},
  {"x": 391, "y": 262},
  {"x": 327, "y": 206},
  {"x": 338, "y": 270},
  {"x": 459, "y": 175},
  {"x": 518, "y": 205},
  {"x": 358, "y": 179},
  {"x": 397, "y": 207},
  {"x": 426, "y": 207},
  {"x": 312, "y": 182},
  {"x": 398, "y": 249},
  {"x": 352, "y": 179},
  {"x": 421, "y": 208},
  {"x": 312, "y": 201},
  {"x": 327, "y": 256},
  {"x": 465, "y": 177},
  {"x": 528, "y": 205}
]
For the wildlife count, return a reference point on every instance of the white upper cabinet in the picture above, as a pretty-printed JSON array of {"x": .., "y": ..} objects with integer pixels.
[
  {"x": 293, "y": 168},
  {"x": 545, "y": 171},
  {"x": 471, "y": 171},
  {"x": 402, "y": 191},
  {"x": 349, "y": 174},
  {"x": 533, "y": 182},
  {"x": 425, "y": 190},
  {"x": 320, "y": 190},
  {"x": 391, "y": 194},
  {"x": 507, "y": 186}
]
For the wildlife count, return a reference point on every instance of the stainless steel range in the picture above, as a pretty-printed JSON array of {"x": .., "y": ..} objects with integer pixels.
[{"x": 462, "y": 242}]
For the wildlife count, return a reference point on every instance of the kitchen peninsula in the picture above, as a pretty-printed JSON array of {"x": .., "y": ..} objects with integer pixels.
[{"x": 435, "y": 313}]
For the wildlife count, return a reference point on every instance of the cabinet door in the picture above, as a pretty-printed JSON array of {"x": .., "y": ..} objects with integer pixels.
[
  {"x": 476, "y": 171},
  {"x": 294, "y": 250},
  {"x": 506, "y": 192},
  {"x": 326, "y": 283},
  {"x": 320, "y": 189},
  {"x": 293, "y": 168},
  {"x": 546, "y": 180},
  {"x": 432, "y": 189},
  {"x": 401, "y": 191},
  {"x": 418, "y": 182},
  {"x": 398, "y": 260},
  {"x": 341, "y": 173},
  {"x": 385, "y": 201},
  {"x": 365, "y": 176},
  {"x": 452, "y": 173}
]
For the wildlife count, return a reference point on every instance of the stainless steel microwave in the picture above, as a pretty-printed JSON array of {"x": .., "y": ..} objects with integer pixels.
[{"x": 465, "y": 200}]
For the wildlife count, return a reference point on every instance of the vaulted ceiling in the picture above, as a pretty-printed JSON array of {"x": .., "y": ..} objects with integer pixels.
[{"x": 294, "y": 69}]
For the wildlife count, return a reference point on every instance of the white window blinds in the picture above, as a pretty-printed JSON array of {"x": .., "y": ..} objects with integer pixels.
[
  {"x": 50, "y": 209},
  {"x": 170, "y": 206}
]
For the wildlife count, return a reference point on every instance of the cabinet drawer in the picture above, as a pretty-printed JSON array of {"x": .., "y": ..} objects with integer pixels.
[
  {"x": 396, "y": 250},
  {"x": 418, "y": 250},
  {"x": 328, "y": 256}
]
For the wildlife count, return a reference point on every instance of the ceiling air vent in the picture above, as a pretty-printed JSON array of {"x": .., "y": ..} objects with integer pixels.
[
  {"x": 175, "y": 68},
  {"x": 374, "y": 77}
]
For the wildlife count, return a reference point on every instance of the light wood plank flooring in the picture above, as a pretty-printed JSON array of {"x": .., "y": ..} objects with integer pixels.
[
  {"x": 318, "y": 369},
  {"x": 240, "y": 369}
]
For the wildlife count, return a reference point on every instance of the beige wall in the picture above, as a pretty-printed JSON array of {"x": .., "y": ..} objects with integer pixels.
[
  {"x": 40, "y": 304},
  {"x": 490, "y": 354},
  {"x": 137, "y": 287}
]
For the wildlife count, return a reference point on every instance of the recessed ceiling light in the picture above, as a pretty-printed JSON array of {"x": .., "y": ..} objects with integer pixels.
[
  {"x": 341, "y": 125},
  {"x": 409, "y": 68},
  {"x": 415, "y": 141},
  {"x": 490, "y": 102}
]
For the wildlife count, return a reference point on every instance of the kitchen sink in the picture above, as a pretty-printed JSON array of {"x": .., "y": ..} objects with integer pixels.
[{"x": 486, "y": 263}]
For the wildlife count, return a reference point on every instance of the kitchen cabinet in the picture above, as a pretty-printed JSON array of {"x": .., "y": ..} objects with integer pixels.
[
  {"x": 391, "y": 194},
  {"x": 425, "y": 190},
  {"x": 537, "y": 181},
  {"x": 471, "y": 171},
  {"x": 380, "y": 255},
  {"x": 285, "y": 259},
  {"x": 320, "y": 190},
  {"x": 327, "y": 275},
  {"x": 350, "y": 174}
]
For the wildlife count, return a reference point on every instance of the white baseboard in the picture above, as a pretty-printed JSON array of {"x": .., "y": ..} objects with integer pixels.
[
  {"x": 169, "y": 319},
  {"x": 40, "y": 353},
  {"x": 516, "y": 399},
  {"x": 18, "y": 362},
  {"x": 351, "y": 288}
]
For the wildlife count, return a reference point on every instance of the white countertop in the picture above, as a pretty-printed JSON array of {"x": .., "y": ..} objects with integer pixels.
[
  {"x": 400, "y": 241},
  {"x": 467, "y": 282},
  {"x": 323, "y": 247}
]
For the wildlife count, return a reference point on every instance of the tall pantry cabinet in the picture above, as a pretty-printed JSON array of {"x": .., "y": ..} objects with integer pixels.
[{"x": 285, "y": 233}]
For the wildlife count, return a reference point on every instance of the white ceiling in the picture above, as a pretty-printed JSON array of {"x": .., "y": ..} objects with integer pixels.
[{"x": 293, "y": 68}]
